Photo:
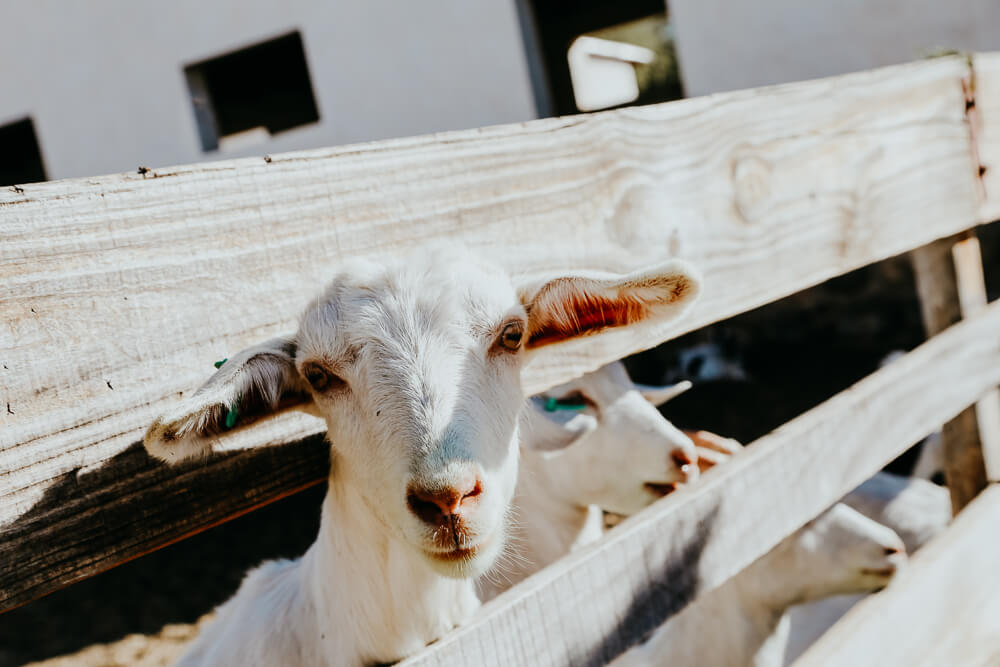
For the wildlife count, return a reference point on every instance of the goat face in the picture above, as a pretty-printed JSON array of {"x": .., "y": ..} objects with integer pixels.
[
  {"x": 842, "y": 551},
  {"x": 417, "y": 373},
  {"x": 630, "y": 458},
  {"x": 416, "y": 369}
]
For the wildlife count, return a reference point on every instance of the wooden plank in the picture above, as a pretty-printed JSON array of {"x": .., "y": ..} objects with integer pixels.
[
  {"x": 118, "y": 292},
  {"x": 940, "y": 610},
  {"x": 694, "y": 540},
  {"x": 949, "y": 275},
  {"x": 985, "y": 121},
  {"x": 93, "y": 519},
  {"x": 968, "y": 259}
]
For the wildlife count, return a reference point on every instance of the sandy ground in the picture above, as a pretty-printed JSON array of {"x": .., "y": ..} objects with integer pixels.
[{"x": 136, "y": 650}]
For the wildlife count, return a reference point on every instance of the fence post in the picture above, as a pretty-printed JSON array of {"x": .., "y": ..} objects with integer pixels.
[{"x": 949, "y": 276}]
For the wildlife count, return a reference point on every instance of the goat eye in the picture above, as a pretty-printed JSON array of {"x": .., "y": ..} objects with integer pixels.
[
  {"x": 511, "y": 336},
  {"x": 320, "y": 379}
]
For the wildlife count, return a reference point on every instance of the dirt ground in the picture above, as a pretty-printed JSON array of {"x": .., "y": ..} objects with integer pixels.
[{"x": 796, "y": 352}]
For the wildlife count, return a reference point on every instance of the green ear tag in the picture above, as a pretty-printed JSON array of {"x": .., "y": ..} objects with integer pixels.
[
  {"x": 231, "y": 417},
  {"x": 218, "y": 364},
  {"x": 554, "y": 404}
]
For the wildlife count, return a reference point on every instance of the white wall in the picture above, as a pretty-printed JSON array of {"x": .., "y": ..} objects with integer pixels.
[
  {"x": 104, "y": 82},
  {"x": 730, "y": 44}
]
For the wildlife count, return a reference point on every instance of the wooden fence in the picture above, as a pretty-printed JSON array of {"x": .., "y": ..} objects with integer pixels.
[{"x": 119, "y": 292}]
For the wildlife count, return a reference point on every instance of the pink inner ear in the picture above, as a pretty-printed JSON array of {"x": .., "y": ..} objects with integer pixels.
[
  {"x": 562, "y": 310},
  {"x": 585, "y": 314}
]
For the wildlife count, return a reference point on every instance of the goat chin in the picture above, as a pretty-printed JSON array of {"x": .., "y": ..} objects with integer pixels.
[{"x": 467, "y": 563}]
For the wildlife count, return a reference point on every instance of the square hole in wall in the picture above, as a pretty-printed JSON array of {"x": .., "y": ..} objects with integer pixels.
[
  {"x": 244, "y": 96},
  {"x": 598, "y": 54},
  {"x": 22, "y": 159}
]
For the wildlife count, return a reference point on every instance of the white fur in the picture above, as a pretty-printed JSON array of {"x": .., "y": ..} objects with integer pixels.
[
  {"x": 828, "y": 556},
  {"x": 429, "y": 401},
  {"x": 604, "y": 456},
  {"x": 930, "y": 461}
]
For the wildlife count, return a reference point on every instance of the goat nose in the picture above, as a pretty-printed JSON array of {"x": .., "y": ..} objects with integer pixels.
[
  {"x": 686, "y": 461},
  {"x": 435, "y": 506}
]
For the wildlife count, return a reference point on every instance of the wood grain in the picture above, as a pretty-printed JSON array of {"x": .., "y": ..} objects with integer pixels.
[
  {"x": 940, "y": 610},
  {"x": 949, "y": 277},
  {"x": 601, "y": 599},
  {"x": 118, "y": 292}
]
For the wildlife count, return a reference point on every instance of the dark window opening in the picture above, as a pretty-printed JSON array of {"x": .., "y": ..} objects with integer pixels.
[
  {"x": 22, "y": 159},
  {"x": 252, "y": 93},
  {"x": 553, "y": 26}
]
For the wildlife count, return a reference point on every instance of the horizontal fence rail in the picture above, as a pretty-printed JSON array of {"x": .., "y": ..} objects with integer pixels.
[
  {"x": 593, "y": 604},
  {"x": 119, "y": 292}
]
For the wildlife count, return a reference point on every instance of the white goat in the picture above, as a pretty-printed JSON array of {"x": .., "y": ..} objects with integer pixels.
[
  {"x": 917, "y": 510},
  {"x": 930, "y": 461},
  {"x": 416, "y": 369},
  {"x": 841, "y": 551},
  {"x": 595, "y": 443}
]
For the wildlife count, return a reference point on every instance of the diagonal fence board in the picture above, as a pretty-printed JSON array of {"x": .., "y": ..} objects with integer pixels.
[
  {"x": 118, "y": 292},
  {"x": 941, "y": 609},
  {"x": 735, "y": 514}
]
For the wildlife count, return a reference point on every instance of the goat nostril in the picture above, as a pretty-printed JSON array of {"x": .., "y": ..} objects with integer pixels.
[
  {"x": 681, "y": 458},
  {"x": 426, "y": 510},
  {"x": 891, "y": 551},
  {"x": 475, "y": 491},
  {"x": 436, "y": 506}
]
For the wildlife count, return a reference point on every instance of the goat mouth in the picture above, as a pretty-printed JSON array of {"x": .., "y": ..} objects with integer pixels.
[
  {"x": 455, "y": 554},
  {"x": 459, "y": 553},
  {"x": 880, "y": 572},
  {"x": 660, "y": 488}
]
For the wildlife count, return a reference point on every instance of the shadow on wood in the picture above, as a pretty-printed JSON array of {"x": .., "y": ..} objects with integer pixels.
[
  {"x": 669, "y": 591},
  {"x": 94, "y": 519}
]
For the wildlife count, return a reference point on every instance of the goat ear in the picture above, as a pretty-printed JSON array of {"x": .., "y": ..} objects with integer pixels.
[
  {"x": 258, "y": 382},
  {"x": 551, "y": 431},
  {"x": 578, "y": 305},
  {"x": 660, "y": 395}
]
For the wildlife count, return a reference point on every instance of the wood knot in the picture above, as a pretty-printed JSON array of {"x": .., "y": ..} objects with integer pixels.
[
  {"x": 751, "y": 185},
  {"x": 640, "y": 219}
]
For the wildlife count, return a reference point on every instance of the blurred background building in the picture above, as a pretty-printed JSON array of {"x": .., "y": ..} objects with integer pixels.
[{"x": 109, "y": 85}]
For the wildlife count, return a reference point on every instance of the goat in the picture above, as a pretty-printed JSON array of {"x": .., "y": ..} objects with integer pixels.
[
  {"x": 841, "y": 551},
  {"x": 595, "y": 443},
  {"x": 917, "y": 510},
  {"x": 415, "y": 367}
]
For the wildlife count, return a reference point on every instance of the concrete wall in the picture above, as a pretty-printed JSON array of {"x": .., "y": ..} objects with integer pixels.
[
  {"x": 104, "y": 82},
  {"x": 730, "y": 44}
]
